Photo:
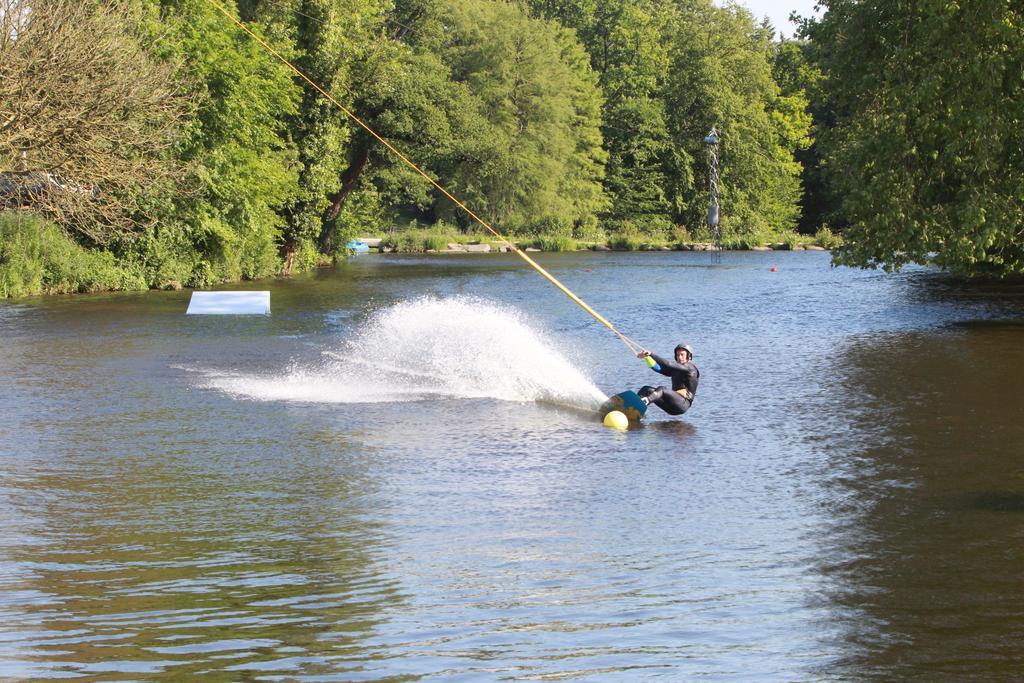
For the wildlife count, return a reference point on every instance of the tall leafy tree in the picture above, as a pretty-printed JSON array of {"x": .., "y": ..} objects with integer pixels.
[
  {"x": 928, "y": 150},
  {"x": 245, "y": 167},
  {"x": 628, "y": 51},
  {"x": 328, "y": 40},
  {"x": 403, "y": 89},
  {"x": 502, "y": 108},
  {"x": 671, "y": 71},
  {"x": 721, "y": 75},
  {"x": 539, "y": 156},
  {"x": 800, "y": 79}
]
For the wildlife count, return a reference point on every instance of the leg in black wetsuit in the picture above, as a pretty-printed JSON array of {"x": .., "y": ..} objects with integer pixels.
[{"x": 666, "y": 399}]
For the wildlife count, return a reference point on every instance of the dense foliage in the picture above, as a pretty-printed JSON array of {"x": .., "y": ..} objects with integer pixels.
[
  {"x": 556, "y": 122},
  {"x": 926, "y": 149},
  {"x": 88, "y": 114},
  {"x": 175, "y": 149}
]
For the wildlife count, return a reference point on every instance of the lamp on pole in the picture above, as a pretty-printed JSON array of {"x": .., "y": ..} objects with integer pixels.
[{"x": 711, "y": 141}]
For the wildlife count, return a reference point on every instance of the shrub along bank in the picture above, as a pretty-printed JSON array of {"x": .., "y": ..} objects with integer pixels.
[{"x": 37, "y": 257}]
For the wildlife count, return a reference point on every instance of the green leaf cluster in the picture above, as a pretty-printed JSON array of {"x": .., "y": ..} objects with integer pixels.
[
  {"x": 669, "y": 72},
  {"x": 926, "y": 147},
  {"x": 244, "y": 166},
  {"x": 552, "y": 121}
]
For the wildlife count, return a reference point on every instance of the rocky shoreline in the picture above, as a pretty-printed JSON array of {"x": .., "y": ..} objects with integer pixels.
[{"x": 378, "y": 244}]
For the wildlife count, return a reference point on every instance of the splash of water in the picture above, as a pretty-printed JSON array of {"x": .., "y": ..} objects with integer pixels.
[{"x": 456, "y": 348}]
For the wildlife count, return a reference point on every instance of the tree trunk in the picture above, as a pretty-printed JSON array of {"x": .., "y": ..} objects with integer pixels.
[
  {"x": 288, "y": 253},
  {"x": 348, "y": 182}
]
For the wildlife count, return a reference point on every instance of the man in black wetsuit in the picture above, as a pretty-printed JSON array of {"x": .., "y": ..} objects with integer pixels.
[{"x": 685, "y": 377}]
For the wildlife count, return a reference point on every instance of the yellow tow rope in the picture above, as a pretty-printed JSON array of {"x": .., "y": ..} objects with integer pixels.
[{"x": 632, "y": 345}]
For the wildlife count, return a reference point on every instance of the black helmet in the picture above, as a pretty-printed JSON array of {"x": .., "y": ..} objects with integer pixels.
[{"x": 687, "y": 348}]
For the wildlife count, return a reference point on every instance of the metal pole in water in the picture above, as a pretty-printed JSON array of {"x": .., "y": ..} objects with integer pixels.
[{"x": 711, "y": 140}]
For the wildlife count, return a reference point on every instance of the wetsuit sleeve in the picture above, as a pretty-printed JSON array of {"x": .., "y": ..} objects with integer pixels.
[{"x": 667, "y": 367}]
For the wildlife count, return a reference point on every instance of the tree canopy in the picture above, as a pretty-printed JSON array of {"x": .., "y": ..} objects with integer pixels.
[
  {"x": 89, "y": 112},
  {"x": 925, "y": 151},
  {"x": 159, "y": 132}
]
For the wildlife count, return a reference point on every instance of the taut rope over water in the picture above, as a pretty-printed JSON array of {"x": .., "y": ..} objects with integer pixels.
[{"x": 630, "y": 344}]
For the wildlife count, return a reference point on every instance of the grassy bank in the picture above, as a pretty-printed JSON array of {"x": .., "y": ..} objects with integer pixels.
[
  {"x": 420, "y": 240},
  {"x": 37, "y": 257}
]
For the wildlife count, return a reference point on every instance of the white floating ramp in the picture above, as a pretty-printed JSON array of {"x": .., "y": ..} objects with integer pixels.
[{"x": 229, "y": 303}]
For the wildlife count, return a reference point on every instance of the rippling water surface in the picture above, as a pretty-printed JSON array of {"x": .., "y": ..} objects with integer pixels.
[{"x": 398, "y": 476}]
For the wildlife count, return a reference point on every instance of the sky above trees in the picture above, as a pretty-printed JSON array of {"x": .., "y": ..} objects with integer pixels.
[{"x": 778, "y": 11}]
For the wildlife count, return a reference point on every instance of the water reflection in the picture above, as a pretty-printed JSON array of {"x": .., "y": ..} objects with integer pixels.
[
  {"x": 926, "y": 562},
  {"x": 841, "y": 503},
  {"x": 184, "y": 554}
]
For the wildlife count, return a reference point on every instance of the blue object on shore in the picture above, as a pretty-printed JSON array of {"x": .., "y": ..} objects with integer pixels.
[{"x": 357, "y": 246}]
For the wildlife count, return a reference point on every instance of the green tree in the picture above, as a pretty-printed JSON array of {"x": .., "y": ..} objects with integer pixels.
[
  {"x": 799, "y": 77},
  {"x": 626, "y": 45},
  {"x": 337, "y": 43},
  {"x": 245, "y": 167},
  {"x": 539, "y": 158},
  {"x": 927, "y": 149},
  {"x": 405, "y": 92},
  {"x": 502, "y": 108},
  {"x": 540, "y": 155},
  {"x": 671, "y": 71},
  {"x": 639, "y": 148},
  {"x": 721, "y": 75}
]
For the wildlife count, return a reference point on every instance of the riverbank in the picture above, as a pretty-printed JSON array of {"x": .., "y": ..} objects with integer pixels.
[
  {"x": 485, "y": 247},
  {"x": 39, "y": 258},
  {"x": 431, "y": 243}
]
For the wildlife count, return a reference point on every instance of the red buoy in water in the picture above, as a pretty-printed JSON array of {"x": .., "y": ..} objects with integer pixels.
[{"x": 773, "y": 269}]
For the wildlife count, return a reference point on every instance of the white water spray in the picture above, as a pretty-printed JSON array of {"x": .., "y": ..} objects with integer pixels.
[{"x": 431, "y": 348}]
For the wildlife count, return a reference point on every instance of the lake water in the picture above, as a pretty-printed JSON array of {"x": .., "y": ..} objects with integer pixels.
[{"x": 398, "y": 475}]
